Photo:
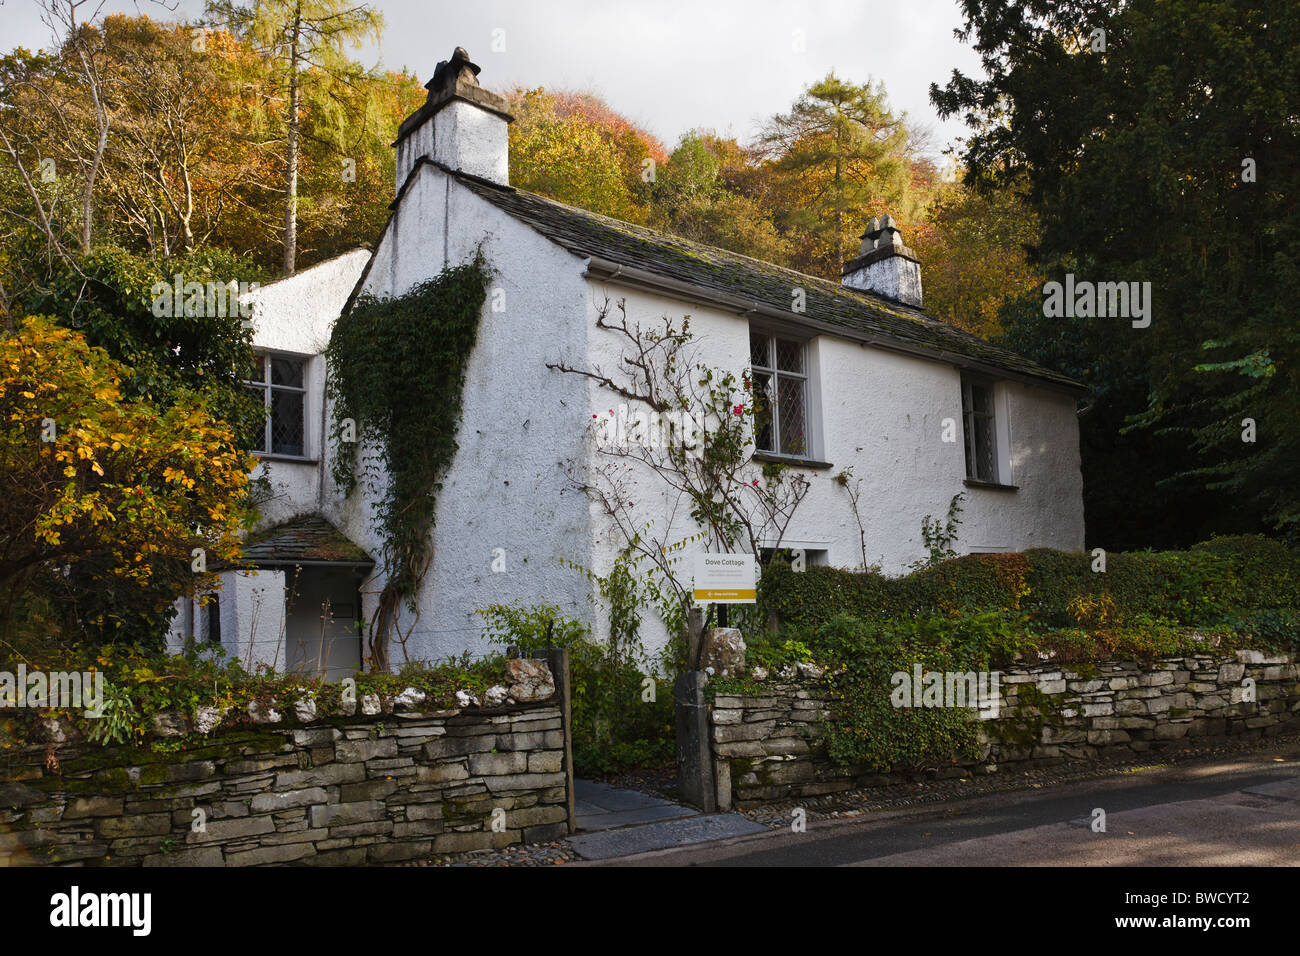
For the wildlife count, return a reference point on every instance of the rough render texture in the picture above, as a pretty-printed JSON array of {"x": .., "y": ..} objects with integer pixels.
[
  {"x": 880, "y": 412},
  {"x": 296, "y": 315},
  {"x": 463, "y": 137},
  {"x": 252, "y": 618},
  {"x": 897, "y": 277},
  {"x": 506, "y": 488}
]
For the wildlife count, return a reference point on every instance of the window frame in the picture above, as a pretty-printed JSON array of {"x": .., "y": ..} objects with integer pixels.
[
  {"x": 212, "y": 629},
  {"x": 264, "y": 357},
  {"x": 775, "y": 376},
  {"x": 969, "y": 414}
]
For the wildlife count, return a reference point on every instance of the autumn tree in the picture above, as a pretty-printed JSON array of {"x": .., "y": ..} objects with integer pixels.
[
  {"x": 694, "y": 198},
  {"x": 573, "y": 148},
  {"x": 54, "y": 126},
  {"x": 976, "y": 248},
  {"x": 304, "y": 42},
  {"x": 157, "y": 495},
  {"x": 838, "y": 157},
  {"x": 347, "y": 170}
]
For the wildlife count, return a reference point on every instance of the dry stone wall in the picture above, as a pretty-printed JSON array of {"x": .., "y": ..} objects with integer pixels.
[
  {"x": 770, "y": 746},
  {"x": 376, "y": 789}
]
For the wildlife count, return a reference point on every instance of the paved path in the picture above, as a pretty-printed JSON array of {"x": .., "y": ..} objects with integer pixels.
[
  {"x": 598, "y": 806},
  {"x": 1239, "y": 811},
  {"x": 614, "y": 823}
]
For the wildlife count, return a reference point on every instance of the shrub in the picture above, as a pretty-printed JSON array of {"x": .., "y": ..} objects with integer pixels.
[
  {"x": 139, "y": 683},
  {"x": 614, "y": 728},
  {"x": 1206, "y": 586},
  {"x": 112, "y": 497},
  {"x": 865, "y": 727},
  {"x": 1268, "y": 570}
]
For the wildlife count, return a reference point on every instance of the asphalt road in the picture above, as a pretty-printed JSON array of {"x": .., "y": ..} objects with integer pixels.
[{"x": 1243, "y": 811}]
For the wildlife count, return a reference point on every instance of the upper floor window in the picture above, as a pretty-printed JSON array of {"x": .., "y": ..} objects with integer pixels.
[
  {"x": 280, "y": 382},
  {"x": 980, "y": 426},
  {"x": 780, "y": 381}
]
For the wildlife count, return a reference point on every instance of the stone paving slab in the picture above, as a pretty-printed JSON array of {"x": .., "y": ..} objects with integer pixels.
[
  {"x": 659, "y": 836},
  {"x": 598, "y": 806},
  {"x": 591, "y": 822},
  {"x": 602, "y": 797},
  {"x": 1287, "y": 790}
]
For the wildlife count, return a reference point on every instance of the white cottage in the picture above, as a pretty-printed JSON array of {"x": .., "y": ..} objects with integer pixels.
[{"x": 863, "y": 377}]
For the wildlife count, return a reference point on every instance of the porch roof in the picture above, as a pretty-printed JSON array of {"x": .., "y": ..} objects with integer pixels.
[{"x": 304, "y": 541}]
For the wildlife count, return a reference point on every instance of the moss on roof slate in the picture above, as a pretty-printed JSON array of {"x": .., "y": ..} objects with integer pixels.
[
  {"x": 710, "y": 268},
  {"x": 307, "y": 538}
]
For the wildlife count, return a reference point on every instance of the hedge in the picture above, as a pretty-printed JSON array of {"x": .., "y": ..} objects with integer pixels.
[{"x": 1221, "y": 581}]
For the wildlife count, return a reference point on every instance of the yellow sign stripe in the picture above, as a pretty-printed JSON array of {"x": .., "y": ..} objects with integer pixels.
[{"x": 731, "y": 594}]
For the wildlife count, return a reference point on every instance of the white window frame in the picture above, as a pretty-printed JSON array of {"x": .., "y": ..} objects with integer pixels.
[
  {"x": 264, "y": 357},
  {"x": 775, "y": 374}
]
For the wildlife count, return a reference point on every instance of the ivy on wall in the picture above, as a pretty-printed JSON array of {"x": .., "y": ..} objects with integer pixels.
[{"x": 397, "y": 374}]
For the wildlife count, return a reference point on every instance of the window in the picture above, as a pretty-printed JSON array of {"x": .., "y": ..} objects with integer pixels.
[
  {"x": 811, "y": 557},
  {"x": 981, "y": 432},
  {"x": 780, "y": 378},
  {"x": 279, "y": 380},
  {"x": 214, "y": 621}
]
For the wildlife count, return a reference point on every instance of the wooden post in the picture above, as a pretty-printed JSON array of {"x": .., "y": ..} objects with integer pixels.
[{"x": 694, "y": 625}]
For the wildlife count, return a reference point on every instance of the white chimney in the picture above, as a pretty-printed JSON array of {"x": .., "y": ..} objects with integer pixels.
[
  {"x": 884, "y": 265},
  {"x": 460, "y": 125}
]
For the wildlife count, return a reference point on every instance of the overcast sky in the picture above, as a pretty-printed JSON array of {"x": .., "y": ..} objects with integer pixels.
[{"x": 669, "y": 65}]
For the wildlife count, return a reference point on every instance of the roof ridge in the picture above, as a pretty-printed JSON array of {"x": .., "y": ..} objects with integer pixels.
[
  {"x": 590, "y": 234},
  {"x": 830, "y": 285}
]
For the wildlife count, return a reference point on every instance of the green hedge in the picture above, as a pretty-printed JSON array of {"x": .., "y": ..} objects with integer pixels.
[{"x": 1225, "y": 580}]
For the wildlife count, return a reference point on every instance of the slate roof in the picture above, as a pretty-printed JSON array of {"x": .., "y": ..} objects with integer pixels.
[
  {"x": 308, "y": 539},
  {"x": 860, "y": 314}
]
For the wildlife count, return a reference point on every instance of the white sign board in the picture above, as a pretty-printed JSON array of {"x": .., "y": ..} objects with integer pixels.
[{"x": 726, "y": 579}]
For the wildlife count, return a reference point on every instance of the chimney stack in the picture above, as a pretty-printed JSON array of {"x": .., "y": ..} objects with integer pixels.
[
  {"x": 884, "y": 265},
  {"x": 460, "y": 125}
]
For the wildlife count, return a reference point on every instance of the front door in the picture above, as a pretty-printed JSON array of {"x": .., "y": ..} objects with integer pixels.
[{"x": 321, "y": 623}]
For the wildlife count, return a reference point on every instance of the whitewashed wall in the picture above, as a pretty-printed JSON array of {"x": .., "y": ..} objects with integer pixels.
[
  {"x": 883, "y": 414},
  {"x": 252, "y": 617},
  {"x": 506, "y": 487},
  {"x": 525, "y": 429},
  {"x": 295, "y": 315},
  {"x": 252, "y": 613}
]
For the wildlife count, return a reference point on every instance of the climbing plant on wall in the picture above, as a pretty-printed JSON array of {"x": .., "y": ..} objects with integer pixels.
[{"x": 397, "y": 372}]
